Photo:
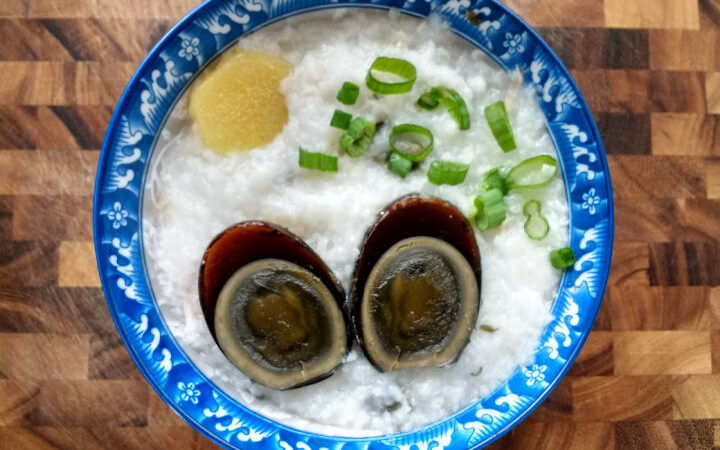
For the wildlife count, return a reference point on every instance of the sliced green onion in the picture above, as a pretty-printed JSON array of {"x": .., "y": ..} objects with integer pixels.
[
  {"x": 428, "y": 101},
  {"x": 493, "y": 179},
  {"x": 340, "y": 119},
  {"x": 358, "y": 137},
  {"x": 447, "y": 172},
  {"x": 562, "y": 258},
  {"x": 536, "y": 226},
  {"x": 411, "y": 141},
  {"x": 454, "y": 104},
  {"x": 490, "y": 209},
  {"x": 399, "y": 165},
  {"x": 532, "y": 173},
  {"x": 318, "y": 161},
  {"x": 500, "y": 125},
  {"x": 390, "y": 76},
  {"x": 348, "y": 93}
]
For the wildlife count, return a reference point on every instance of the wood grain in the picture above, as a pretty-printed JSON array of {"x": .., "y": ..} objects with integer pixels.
[
  {"x": 648, "y": 376},
  {"x": 6, "y": 216},
  {"x": 159, "y": 415},
  {"x": 660, "y": 308},
  {"x": 652, "y": 14},
  {"x": 712, "y": 175},
  {"x": 662, "y": 352},
  {"x": 72, "y": 218},
  {"x": 697, "y": 434},
  {"x": 608, "y": 399},
  {"x": 625, "y": 133},
  {"x": 56, "y": 127},
  {"x": 634, "y": 176},
  {"x": 559, "y": 13},
  {"x": 712, "y": 92},
  {"x": 630, "y": 264},
  {"x": 63, "y": 83},
  {"x": 51, "y": 309},
  {"x": 76, "y": 264},
  {"x": 85, "y": 403},
  {"x": 17, "y": 400},
  {"x": 597, "y": 356},
  {"x": 558, "y": 407},
  {"x": 714, "y": 306},
  {"x": 576, "y": 436},
  {"x": 613, "y": 48},
  {"x": 696, "y": 397},
  {"x": 27, "y": 264},
  {"x": 13, "y": 8},
  {"x": 44, "y": 356},
  {"x": 102, "y": 437},
  {"x": 685, "y": 50},
  {"x": 642, "y": 91},
  {"x": 715, "y": 350},
  {"x": 686, "y": 134},
  {"x": 47, "y": 172},
  {"x": 128, "y": 9},
  {"x": 675, "y": 219},
  {"x": 684, "y": 264},
  {"x": 633, "y": 224},
  {"x": 88, "y": 39},
  {"x": 108, "y": 360}
]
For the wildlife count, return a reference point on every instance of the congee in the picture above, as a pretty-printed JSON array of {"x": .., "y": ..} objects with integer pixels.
[{"x": 370, "y": 205}]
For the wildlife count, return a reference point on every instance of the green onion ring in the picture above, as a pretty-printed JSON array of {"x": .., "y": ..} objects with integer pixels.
[
  {"x": 417, "y": 136},
  {"x": 491, "y": 210},
  {"x": 454, "y": 104},
  {"x": 532, "y": 173},
  {"x": 348, "y": 93},
  {"x": 447, "y": 172},
  {"x": 499, "y": 123},
  {"x": 493, "y": 179},
  {"x": 399, "y": 67},
  {"x": 358, "y": 137},
  {"x": 536, "y": 226},
  {"x": 318, "y": 161},
  {"x": 340, "y": 119},
  {"x": 562, "y": 258},
  {"x": 399, "y": 165},
  {"x": 428, "y": 101}
]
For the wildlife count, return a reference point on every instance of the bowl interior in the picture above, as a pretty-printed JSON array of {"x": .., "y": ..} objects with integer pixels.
[{"x": 140, "y": 115}]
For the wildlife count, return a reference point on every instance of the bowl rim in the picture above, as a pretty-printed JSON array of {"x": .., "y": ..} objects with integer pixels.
[{"x": 305, "y": 6}]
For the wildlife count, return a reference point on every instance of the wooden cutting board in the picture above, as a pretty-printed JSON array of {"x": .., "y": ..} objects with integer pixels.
[{"x": 649, "y": 376}]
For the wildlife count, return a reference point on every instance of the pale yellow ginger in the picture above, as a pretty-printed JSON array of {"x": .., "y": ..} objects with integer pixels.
[{"x": 237, "y": 103}]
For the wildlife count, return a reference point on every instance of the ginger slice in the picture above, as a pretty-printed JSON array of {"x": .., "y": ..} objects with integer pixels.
[{"x": 237, "y": 103}]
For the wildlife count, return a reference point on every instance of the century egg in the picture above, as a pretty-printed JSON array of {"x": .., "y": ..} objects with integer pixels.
[
  {"x": 416, "y": 288},
  {"x": 273, "y": 306}
]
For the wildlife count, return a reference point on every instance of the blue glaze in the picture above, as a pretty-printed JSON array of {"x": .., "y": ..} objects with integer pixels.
[{"x": 140, "y": 115}]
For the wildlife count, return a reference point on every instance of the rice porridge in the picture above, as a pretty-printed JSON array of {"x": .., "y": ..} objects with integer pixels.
[{"x": 193, "y": 193}]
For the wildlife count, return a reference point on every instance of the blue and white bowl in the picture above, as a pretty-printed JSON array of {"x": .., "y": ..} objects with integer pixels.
[{"x": 141, "y": 112}]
